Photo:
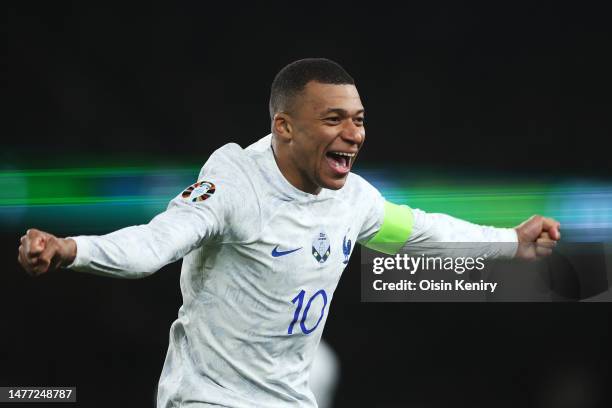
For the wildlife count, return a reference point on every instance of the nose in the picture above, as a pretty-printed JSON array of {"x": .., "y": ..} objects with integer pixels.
[{"x": 353, "y": 133}]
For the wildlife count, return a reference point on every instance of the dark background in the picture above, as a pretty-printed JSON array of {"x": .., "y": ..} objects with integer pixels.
[
  {"x": 498, "y": 87},
  {"x": 507, "y": 86}
]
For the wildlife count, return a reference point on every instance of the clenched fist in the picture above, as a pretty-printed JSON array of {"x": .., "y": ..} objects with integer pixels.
[
  {"x": 537, "y": 237},
  {"x": 41, "y": 252}
]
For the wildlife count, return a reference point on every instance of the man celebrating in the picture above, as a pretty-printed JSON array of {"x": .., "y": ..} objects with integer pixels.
[{"x": 264, "y": 234}]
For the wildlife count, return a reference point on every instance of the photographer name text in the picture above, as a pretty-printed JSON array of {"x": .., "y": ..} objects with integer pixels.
[
  {"x": 433, "y": 285},
  {"x": 413, "y": 264}
]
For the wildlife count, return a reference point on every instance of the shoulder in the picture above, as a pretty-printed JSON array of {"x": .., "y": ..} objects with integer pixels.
[
  {"x": 261, "y": 145},
  {"x": 225, "y": 155},
  {"x": 230, "y": 161},
  {"x": 359, "y": 195},
  {"x": 230, "y": 170},
  {"x": 369, "y": 204},
  {"x": 233, "y": 154},
  {"x": 356, "y": 186}
]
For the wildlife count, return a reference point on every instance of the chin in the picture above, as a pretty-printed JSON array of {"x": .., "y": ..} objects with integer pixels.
[{"x": 334, "y": 184}]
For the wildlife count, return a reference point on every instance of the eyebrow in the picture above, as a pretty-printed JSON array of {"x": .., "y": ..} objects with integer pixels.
[{"x": 341, "y": 111}]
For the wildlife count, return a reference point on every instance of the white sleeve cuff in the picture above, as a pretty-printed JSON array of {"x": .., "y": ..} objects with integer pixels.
[
  {"x": 83, "y": 253},
  {"x": 508, "y": 235}
]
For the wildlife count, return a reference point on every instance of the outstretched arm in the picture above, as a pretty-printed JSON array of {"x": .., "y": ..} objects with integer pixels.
[
  {"x": 203, "y": 211},
  {"x": 534, "y": 237},
  {"x": 131, "y": 252},
  {"x": 418, "y": 231}
]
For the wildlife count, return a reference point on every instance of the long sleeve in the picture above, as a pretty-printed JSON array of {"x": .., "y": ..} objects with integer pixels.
[
  {"x": 206, "y": 210},
  {"x": 390, "y": 228},
  {"x": 441, "y": 233},
  {"x": 138, "y": 251}
]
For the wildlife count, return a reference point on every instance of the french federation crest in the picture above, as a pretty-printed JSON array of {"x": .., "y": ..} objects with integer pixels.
[
  {"x": 346, "y": 249},
  {"x": 199, "y": 191},
  {"x": 321, "y": 247}
]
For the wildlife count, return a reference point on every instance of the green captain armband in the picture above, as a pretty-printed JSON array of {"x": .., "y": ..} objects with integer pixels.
[{"x": 394, "y": 231}]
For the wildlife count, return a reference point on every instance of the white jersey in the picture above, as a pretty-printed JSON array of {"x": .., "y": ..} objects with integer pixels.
[{"x": 261, "y": 261}]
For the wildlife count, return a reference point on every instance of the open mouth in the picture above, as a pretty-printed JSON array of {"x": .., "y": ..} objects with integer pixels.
[{"x": 340, "y": 161}]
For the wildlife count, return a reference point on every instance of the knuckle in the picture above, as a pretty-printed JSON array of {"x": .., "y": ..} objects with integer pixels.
[{"x": 39, "y": 268}]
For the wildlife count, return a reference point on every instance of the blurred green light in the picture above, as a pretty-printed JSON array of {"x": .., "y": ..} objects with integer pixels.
[{"x": 100, "y": 199}]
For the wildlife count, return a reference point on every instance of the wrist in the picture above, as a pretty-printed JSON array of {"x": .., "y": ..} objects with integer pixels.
[
  {"x": 69, "y": 251},
  {"x": 519, "y": 236}
]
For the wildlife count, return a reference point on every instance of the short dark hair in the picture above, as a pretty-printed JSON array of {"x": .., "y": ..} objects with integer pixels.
[{"x": 292, "y": 79}]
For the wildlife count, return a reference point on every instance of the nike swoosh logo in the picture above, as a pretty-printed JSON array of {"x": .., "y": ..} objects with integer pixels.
[{"x": 276, "y": 253}]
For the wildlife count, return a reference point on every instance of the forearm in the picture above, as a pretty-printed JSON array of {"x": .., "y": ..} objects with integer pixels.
[
  {"x": 138, "y": 251},
  {"x": 120, "y": 254},
  {"x": 443, "y": 234}
]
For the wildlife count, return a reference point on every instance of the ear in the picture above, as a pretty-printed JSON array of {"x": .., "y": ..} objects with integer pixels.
[{"x": 282, "y": 127}]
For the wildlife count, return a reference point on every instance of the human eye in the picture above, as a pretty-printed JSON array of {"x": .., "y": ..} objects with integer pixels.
[
  {"x": 359, "y": 120},
  {"x": 332, "y": 119}
]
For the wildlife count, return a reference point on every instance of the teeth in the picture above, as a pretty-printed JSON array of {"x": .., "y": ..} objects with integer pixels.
[{"x": 344, "y": 154}]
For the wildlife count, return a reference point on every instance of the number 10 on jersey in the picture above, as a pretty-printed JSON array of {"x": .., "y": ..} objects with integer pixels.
[{"x": 299, "y": 299}]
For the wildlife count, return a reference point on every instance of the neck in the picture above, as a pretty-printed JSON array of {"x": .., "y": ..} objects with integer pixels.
[{"x": 291, "y": 173}]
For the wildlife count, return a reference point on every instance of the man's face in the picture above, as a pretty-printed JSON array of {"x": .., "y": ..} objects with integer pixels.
[{"x": 327, "y": 132}]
